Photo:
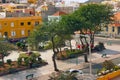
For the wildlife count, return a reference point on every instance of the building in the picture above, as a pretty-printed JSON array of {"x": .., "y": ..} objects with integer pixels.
[
  {"x": 18, "y": 27},
  {"x": 56, "y": 16},
  {"x": 113, "y": 29},
  {"x": 15, "y": 1}
]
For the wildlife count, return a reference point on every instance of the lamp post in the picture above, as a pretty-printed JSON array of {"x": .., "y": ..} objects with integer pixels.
[
  {"x": 90, "y": 62},
  {"x": 90, "y": 56}
]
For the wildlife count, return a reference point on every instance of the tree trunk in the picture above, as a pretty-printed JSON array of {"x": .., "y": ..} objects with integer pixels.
[
  {"x": 85, "y": 57},
  {"x": 81, "y": 40},
  {"x": 86, "y": 41},
  {"x": 92, "y": 39},
  {"x": 54, "y": 62},
  {"x": 54, "y": 55},
  {"x": 70, "y": 45},
  {"x": 2, "y": 59}
]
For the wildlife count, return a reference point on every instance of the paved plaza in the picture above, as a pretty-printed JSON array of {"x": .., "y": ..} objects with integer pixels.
[{"x": 112, "y": 51}]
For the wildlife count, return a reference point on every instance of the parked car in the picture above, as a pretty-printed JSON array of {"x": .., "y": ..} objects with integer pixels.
[{"x": 75, "y": 71}]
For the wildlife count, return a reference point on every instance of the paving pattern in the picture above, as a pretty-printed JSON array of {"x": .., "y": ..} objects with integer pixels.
[{"x": 112, "y": 52}]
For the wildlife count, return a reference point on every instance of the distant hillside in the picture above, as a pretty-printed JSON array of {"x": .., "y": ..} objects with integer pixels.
[{"x": 96, "y": 1}]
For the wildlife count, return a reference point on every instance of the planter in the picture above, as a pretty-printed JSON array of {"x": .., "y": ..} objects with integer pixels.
[{"x": 21, "y": 68}]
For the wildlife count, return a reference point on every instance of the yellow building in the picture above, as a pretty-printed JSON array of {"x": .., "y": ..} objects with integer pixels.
[
  {"x": 18, "y": 27},
  {"x": 113, "y": 29}
]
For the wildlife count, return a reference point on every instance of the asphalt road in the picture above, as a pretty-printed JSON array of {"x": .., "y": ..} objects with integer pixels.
[
  {"x": 96, "y": 67},
  {"x": 105, "y": 40}
]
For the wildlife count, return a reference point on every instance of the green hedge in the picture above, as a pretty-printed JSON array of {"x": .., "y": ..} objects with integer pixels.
[{"x": 70, "y": 54}]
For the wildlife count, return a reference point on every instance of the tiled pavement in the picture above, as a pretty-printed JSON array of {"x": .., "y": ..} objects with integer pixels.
[{"x": 43, "y": 72}]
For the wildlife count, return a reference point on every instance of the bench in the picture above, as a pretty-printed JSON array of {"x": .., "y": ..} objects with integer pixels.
[
  {"x": 29, "y": 77},
  {"x": 104, "y": 55}
]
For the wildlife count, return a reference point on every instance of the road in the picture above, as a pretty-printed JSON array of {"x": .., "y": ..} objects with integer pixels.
[
  {"x": 105, "y": 40},
  {"x": 96, "y": 67}
]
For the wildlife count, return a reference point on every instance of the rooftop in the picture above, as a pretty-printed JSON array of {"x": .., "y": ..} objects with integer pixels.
[{"x": 59, "y": 13}]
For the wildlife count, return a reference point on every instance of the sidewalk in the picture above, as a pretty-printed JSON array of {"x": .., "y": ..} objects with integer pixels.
[
  {"x": 111, "y": 51},
  {"x": 43, "y": 72},
  {"x": 108, "y": 38}
]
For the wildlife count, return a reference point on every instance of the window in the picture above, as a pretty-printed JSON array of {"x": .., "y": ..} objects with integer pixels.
[
  {"x": 13, "y": 33},
  {"x": 106, "y": 28},
  {"x": 22, "y": 24},
  {"x": 29, "y": 23},
  {"x": 5, "y": 23},
  {"x": 12, "y": 24},
  {"x": 113, "y": 29},
  {"x": 22, "y": 32}
]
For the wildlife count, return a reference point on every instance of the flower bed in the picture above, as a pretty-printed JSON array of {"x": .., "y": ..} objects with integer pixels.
[
  {"x": 66, "y": 54},
  {"x": 25, "y": 61},
  {"x": 109, "y": 71},
  {"x": 110, "y": 76},
  {"x": 7, "y": 69}
]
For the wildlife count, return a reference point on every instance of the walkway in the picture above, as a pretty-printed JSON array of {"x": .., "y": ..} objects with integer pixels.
[{"x": 112, "y": 52}]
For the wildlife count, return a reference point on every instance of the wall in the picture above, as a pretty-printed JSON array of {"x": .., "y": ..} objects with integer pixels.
[
  {"x": 110, "y": 75},
  {"x": 11, "y": 25}
]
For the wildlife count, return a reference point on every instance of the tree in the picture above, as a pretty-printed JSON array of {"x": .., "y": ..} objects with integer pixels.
[
  {"x": 4, "y": 48},
  {"x": 93, "y": 15},
  {"x": 53, "y": 30},
  {"x": 37, "y": 36},
  {"x": 88, "y": 19}
]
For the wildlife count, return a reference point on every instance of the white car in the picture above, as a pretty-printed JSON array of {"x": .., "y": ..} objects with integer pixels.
[{"x": 75, "y": 71}]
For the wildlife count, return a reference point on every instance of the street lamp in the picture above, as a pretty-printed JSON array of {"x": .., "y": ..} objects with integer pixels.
[
  {"x": 90, "y": 62},
  {"x": 89, "y": 42}
]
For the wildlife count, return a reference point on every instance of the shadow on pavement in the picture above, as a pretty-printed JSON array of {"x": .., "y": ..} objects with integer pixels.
[{"x": 109, "y": 52}]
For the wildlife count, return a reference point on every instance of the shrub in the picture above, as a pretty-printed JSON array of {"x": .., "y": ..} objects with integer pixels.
[
  {"x": 19, "y": 61},
  {"x": 108, "y": 65},
  {"x": 62, "y": 76},
  {"x": 27, "y": 61},
  {"x": 75, "y": 53},
  {"x": 99, "y": 47},
  {"x": 9, "y": 61},
  {"x": 12, "y": 70},
  {"x": 1, "y": 63},
  {"x": 69, "y": 54},
  {"x": 35, "y": 65},
  {"x": 48, "y": 46},
  {"x": 116, "y": 68},
  {"x": 23, "y": 55}
]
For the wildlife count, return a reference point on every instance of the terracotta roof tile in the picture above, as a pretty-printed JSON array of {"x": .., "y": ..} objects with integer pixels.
[
  {"x": 59, "y": 13},
  {"x": 117, "y": 16},
  {"x": 117, "y": 19}
]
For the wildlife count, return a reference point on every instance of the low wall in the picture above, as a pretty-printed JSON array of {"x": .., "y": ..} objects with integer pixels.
[{"x": 109, "y": 75}]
